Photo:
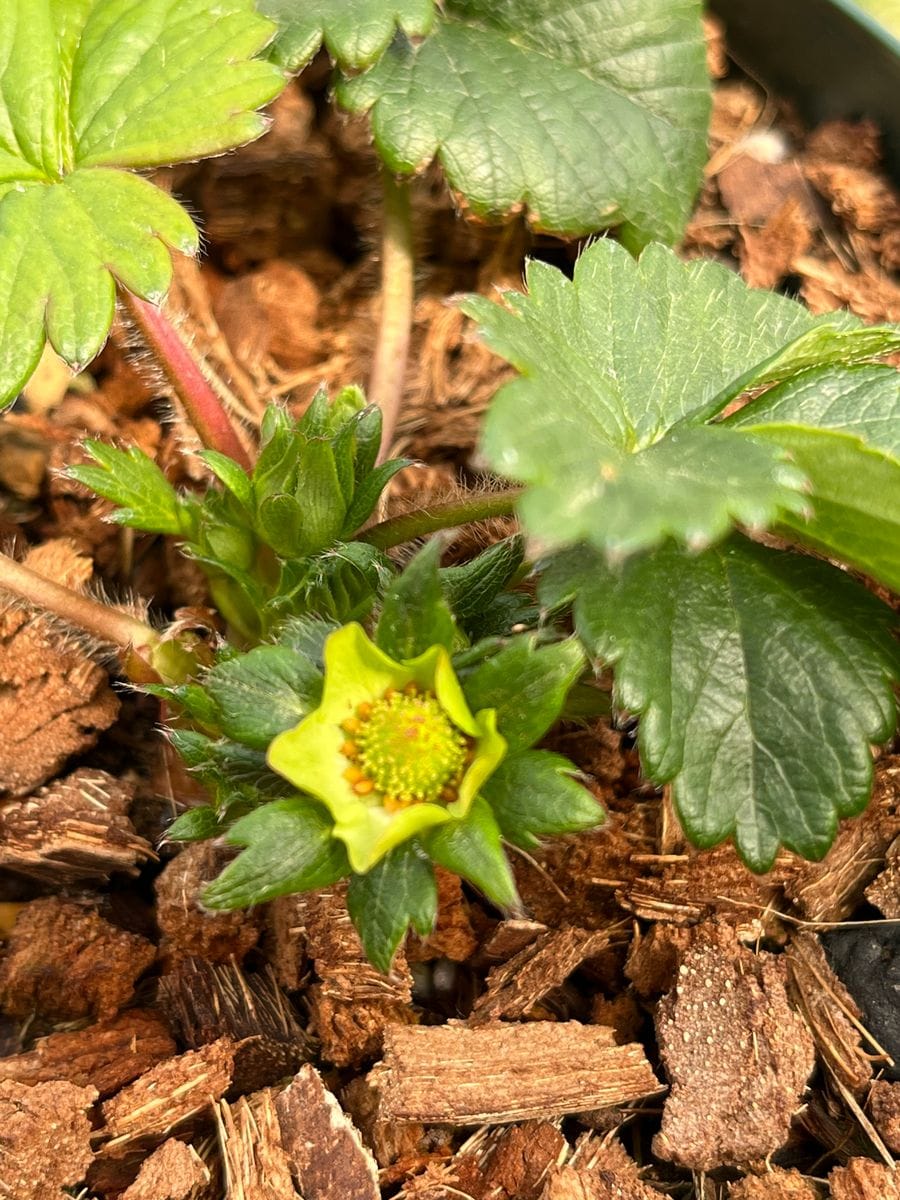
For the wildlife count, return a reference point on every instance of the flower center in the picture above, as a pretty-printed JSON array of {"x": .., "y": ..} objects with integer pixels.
[{"x": 406, "y": 748}]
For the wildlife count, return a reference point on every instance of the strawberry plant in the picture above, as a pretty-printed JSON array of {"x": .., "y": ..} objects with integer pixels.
[{"x": 705, "y": 475}]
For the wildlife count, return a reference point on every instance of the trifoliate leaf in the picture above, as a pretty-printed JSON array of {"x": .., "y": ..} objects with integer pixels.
[
  {"x": 533, "y": 794},
  {"x": 473, "y": 849},
  {"x": 613, "y": 361},
  {"x": 289, "y": 848},
  {"x": 263, "y": 692},
  {"x": 588, "y": 115},
  {"x": 97, "y": 84},
  {"x": 762, "y": 678},
  {"x": 415, "y": 614},
  {"x": 145, "y": 498},
  {"x": 399, "y": 891},
  {"x": 355, "y": 32}
]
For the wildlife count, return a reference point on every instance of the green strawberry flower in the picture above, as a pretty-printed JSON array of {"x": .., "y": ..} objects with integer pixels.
[{"x": 393, "y": 750}]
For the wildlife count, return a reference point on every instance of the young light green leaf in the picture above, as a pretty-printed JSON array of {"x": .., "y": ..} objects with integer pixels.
[
  {"x": 628, "y": 350},
  {"x": 589, "y": 115},
  {"x": 195, "y": 825},
  {"x": 399, "y": 891},
  {"x": 355, "y": 32},
  {"x": 762, "y": 679},
  {"x": 132, "y": 481},
  {"x": 99, "y": 84},
  {"x": 368, "y": 493},
  {"x": 234, "y": 477},
  {"x": 289, "y": 848},
  {"x": 472, "y": 848},
  {"x": 527, "y": 685},
  {"x": 262, "y": 693},
  {"x": 533, "y": 795},
  {"x": 415, "y": 614}
]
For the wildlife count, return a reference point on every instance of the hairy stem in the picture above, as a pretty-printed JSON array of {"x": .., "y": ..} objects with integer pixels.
[
  {"x": 397, "y": 299},
  {"x": 108, "y": 624},
  {"x": 478, "y": 506},
  {"x": 202, "y": 405}
]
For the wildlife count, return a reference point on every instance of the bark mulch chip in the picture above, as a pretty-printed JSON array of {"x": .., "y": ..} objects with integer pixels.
[
  {"x": 256, "y": 1165},
  {"x": 33, "y": 1119},
  {"x": 774, "y": 1185},
  {"x": 884, "y": 1109},
  {"x": 863, "y": 1179},
  {"x": 173, "y": 1172},
  {"x": 187, "y": 928},
  {"x": 597, "y": 1170}
]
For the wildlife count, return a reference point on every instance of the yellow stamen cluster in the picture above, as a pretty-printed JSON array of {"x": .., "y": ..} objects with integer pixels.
[{"x": 403, "y": 749}]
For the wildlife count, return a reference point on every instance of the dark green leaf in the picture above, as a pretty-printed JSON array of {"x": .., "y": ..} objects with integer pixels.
[
  {"x": 289, "y": 848},
  {"x": 263, "y": 692},
  {"x": 533, "y": 794},
  {"x": 415, "y": 614},
  {"x": 307, "y": 636},
  {"x": 399, "y": 891},
  {"x": 192, "y": 700},
  {"x": 195, "y": 825},
  {"x": 145, "y": 498},
  {"x": 234, "y": 477},
  {"x": 472, "y": 849},
  {"x": 355, "y": 32},
  {"x": 470, "y": 588},
  {"x": 527, "y": 684},
  {"x": 369, "y": 493}
]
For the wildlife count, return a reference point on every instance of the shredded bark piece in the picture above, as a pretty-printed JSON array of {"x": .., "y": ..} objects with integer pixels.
[
  {"x": 175, "y": 1171},
  {"x": 884, "y": 1107},
  {"x": 54, "y": 700},
  {"x": 328, "y": 1160},
  {"x": 830, "y": 1012},
  {"x": 884, "y": 891},
  {"x": 106, "y": 1056},
  {"x": 271, "y": 311},
  {"x": 776, "y": 1184},
  {"x": 831, "y": 889},
  {"x": 165, "y": 1098},
  {"x": 44, "y": 1138},
  {"x": 507, "y": 939},
  {"x": 75, "y": 828},
  {"x": 389, "y": 1141},
  {"x": 499, "y": 1073},
  {"x": 653, "y": 959},
  {"x": 598, "y": 1170},
  {"x": 66, "y": 961},
  {"x": 517, "y": 985},
  {"x": 453, "y": 935},
  {"x": 864, "y": 1179},
  {"x": 256, "y": 1166},
  {"x": 510, "y": 1163},
  {"x": 186, "y": 927},
  {"x": 736, "y": 1052},
  {"x": 205, "y": 1001}
]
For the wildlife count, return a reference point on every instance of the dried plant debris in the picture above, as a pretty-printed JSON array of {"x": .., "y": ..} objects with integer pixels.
[
  {"x": 454, "y": 935},
  {"x": 498, "y": 1073},
  {"x": 186, "y": 927},
  {"x": 509, "y": 1163},
  {"x": 327, "y": 1158},
  {"x": 75, "y": 828},
  {"x": 884, "y": 1109},
  {"x": 66, "y": 961},
  {"x": 737, "y": 1054},
  {"x": 654, "y": 957},
  {"x": 775, "y": 1184},
  {"x": 206, "y": 1001},
  {"x": 863, "y": 1179},
  {"x": 166, "y": 1098},
  {"x": 105, "y": 1056},
  {"x": 54, "y": 699},
  {"x": 884, "y": 891},
  {"x": 33, "y": 1119},
  {"x": 256, "y": 1166},
  {"x": 173, "y": 1172},
  {"x": 598, "y": 1170},
  {"x": 866, "y": 958}
]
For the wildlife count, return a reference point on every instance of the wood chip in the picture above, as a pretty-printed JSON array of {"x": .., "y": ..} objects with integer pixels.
[
  {"x": 884, "y": 891},
  {"x": 175, "y": 1171},
  {"x": 516, "y": 986},
  {"x": 598, "y": 1170},
  {"x": 864, "y": 1179},
  {"x": 205, "y": 1001},
  {"x": 776, "y": 1184},
  {"x": 499, "y": 1073},
  {"x": 884, "y": 1109},
  {"x": 44, "y": 1138},
  {"x": 737, "y": 1054},
  {"x": 654, "y": 957},
  {"x": 66, "y": 961},
  {"x": 186, "y": 927},
  {"x": 106, "y": 1056},
  {"x": 165, "y": 1098},
  {"x": 510, "y": 1163},
  {"x": 328, "y": 1160},
  {"x": 256, "y": 1166},
  {"x": 75, "y": 828},
  {"x": 453, "y": 935}
]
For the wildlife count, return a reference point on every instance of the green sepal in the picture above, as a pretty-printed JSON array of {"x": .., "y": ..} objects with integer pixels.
[
  {"x": 472, "y": 848},
  {"x": 369, "y": 491},
  {"x": 414, "y": 614},
  {"x": 288, "y": 848},
  {"x": 263, "y": 692},
  {"x": 195, "y": 825},
  {"x": 369, "y": 425},
  {"x": 132, "y": 481},
  {"x": 527, "y": 684},
  {"x": 470, "y": 588},
  {"x": 399, "y": 891},
  {"x": 533, "y": 795},
  {"x": 229, "y": 473},
  {"x": 306, "y": 635},
  {"x": 192, "y": 699}
]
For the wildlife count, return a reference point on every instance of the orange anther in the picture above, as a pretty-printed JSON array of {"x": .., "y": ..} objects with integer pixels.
[
  {"x": 351, "y": 725},
  {"x": 411, "y": 689},
  {"x": 353, "y": 775},
  {"x": 364, "y": 787},
  {"x": 449, "y": 794},
  {"x": 364, "y": 710},
  {"x": 349, "y": 749}
]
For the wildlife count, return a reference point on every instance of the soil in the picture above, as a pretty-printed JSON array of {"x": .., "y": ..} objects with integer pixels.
[{"x": 663, "y": 1023}]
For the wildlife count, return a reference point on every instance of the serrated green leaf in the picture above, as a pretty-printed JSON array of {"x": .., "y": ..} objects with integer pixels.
[
  {"x": 533, "y": 795},
  {"x": 470, "y": 588},
  {"x": 415, "y": 615},
  {"x": 473, "y": 849},
  {"x": 621, "y": 355},
  {"x": 399, "y": 891},
  {"x": 306, "y": 635},
  {"x": 355, "y": 32},
  {"x": 132, "y": 481},
  {"x": 589, "y": 115},
  {"x": 92, "y": 85},
  {"x": 262, "y": 693},
  {"x": 195, "y": 825},
  {"x": 369, "y": 491},
  {"x": 289, "y": 848},
  {"x": 762, "y": 679},
  {"x": 234, "y": 477},
  {"x": 527, "y": 685}
]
